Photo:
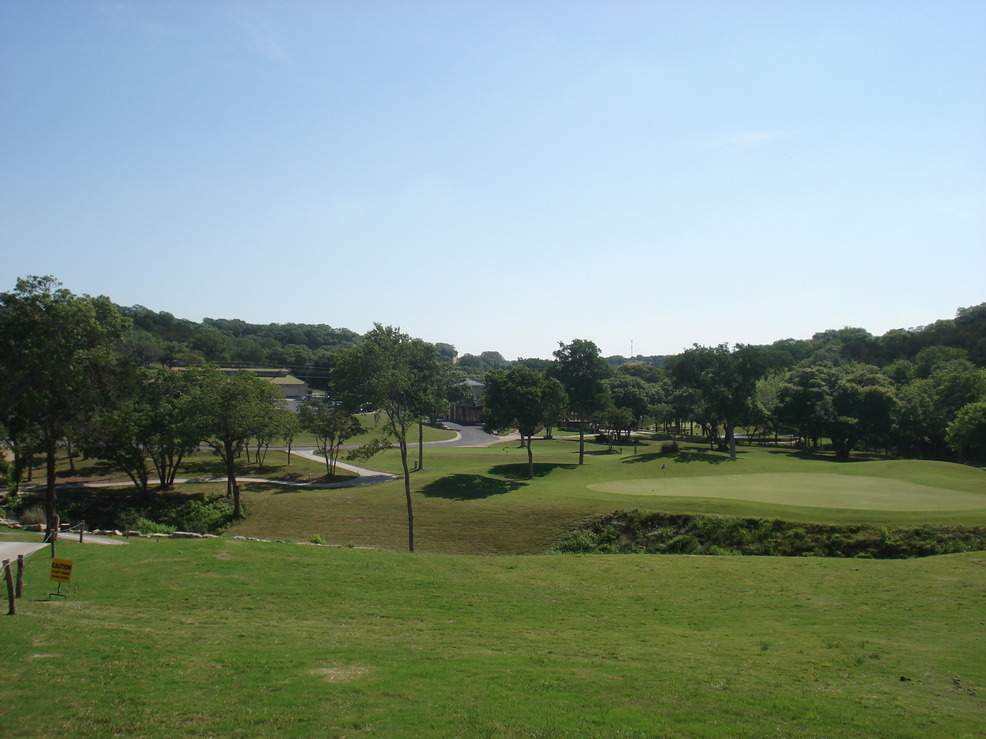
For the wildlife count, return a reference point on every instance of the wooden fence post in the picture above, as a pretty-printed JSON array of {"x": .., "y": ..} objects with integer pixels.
[
  {"x": 11, "y": 607},
  {"x": 20, "y": 576}
]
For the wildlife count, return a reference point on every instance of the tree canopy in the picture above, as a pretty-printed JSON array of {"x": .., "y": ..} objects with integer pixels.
[
  {"x": 581, "y": 371},
  {"x": 396, "y": 376},
  {"x": 523, "y": 398},
  {"x": 58, "y": 364}
]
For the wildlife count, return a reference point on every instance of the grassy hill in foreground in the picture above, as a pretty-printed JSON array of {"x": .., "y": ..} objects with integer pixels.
[{"x": 234, "y": 638}]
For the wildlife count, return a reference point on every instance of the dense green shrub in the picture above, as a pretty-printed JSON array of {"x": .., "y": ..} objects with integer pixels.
[
  {"x": 659, "y": 533},
  {"x": 130, "y": 509}
]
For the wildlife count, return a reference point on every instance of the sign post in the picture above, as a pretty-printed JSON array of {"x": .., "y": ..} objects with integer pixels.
[{"x": 61, "y": 571}]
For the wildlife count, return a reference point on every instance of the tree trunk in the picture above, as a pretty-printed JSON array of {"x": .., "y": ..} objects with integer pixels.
[
  {"x": 421, "y": 445},
  {"x": 581, "y": 441},
  {"x": 530, "y": 459},
  {"x": 232, "y": 489},
  {"x": 407, "y": 494},
  {"x": 50, "y": 519}
]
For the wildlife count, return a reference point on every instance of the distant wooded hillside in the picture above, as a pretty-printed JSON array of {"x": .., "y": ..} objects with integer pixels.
[{"x": 307, "y": 349}]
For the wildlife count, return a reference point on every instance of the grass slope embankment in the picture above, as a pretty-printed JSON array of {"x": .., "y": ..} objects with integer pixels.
[{"x": 232, "y": 638}]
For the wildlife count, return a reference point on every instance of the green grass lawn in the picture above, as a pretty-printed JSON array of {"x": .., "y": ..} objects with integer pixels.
[
  {"x": 233, "y": 638},
  {"x": 478, "y": 501}
]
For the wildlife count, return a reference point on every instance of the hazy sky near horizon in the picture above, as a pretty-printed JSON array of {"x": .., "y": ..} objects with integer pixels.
[{"x": 503, "y": 175}]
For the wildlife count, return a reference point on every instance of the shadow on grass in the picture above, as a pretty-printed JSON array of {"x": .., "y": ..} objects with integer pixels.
[
  {"x": 826, "y": 456},
  {"x": 275, "y": 488},
  {"x": 649, "y": 457},
  {"x": 204, "y": 468},
  {"x": 519, "y": 471},
  {"x": 470, "y": 487},
  {"x": 87, "y": 468},
  {"x": 686, "y": 457}
]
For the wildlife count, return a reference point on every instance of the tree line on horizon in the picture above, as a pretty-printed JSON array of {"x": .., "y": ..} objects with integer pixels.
[
  {"x": 158, "y": 337},
  {"x": 76, "y": 368}
]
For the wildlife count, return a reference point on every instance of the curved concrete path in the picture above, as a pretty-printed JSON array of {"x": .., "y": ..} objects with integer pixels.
[{"x": 465, "y": 436}]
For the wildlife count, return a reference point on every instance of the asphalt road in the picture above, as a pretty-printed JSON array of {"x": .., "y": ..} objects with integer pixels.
[{"x": 473, "y": 436}]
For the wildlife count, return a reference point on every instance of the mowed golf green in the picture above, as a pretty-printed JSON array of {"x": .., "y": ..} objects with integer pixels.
[{"x": 807, "y": 489}]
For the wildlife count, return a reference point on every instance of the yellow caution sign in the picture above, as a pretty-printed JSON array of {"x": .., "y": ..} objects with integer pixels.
[{"x": 61, "y": 570}]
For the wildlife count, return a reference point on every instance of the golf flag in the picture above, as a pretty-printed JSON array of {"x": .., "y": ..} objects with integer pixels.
[{"x": 662, "y": 466}]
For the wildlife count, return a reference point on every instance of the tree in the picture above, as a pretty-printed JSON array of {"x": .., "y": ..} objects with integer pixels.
[
  {"x": 331, "y": 424},
  {"x": 441, "y": 384},
  {"x": 23, "y": 445},
  {"x": 863, "y": 404},
  {"x": 581, "y": 371},
  {"x": 235, "y": 408},
  {"x": 57, "y": 365},
  {"x": 523, "y": 398},
  {"x": 157, "y": 428},
  {"x": 848, "y": 404},
  {"x": 928, "y": 405},
  {"x": 968, "y": 430},
  {"x": 619, "y": 421},
  {"x": 445, "y": 353},
  {"x": 632, "y": 394},
  {"x": 390, "y": 372},
  {"x": 554, "y": 399},
  {"x": 765, "y": 401},
  {"x": 725, "y": 381}
]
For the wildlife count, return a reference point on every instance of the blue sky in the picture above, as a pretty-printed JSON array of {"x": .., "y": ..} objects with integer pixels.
[{"x": 503, "y": 175}]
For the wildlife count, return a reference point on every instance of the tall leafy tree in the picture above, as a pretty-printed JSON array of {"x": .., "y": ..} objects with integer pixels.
[
  {"x": 581, "y": 371},
  {"x": 234, "y": 409},
  {"x": 523, "y": 398},
  {"x": 58, "y": 365},
  {"x": 632, "y": 394},
  {"x": 155, "y": 430},
  {"x": 331, "y": 425},
  {"x": 395, "y": 375},
  {"x": 848, "y": 404},
  {"x": 725, "y": 381},
  {"x": 968, "y": 430}
]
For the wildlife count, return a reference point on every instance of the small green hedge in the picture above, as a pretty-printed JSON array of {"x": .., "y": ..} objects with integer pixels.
[{"x": 636, "y": 532}]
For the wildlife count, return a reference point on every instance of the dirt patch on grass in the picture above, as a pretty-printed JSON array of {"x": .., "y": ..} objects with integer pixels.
[{"x": 340, "y": 674}]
